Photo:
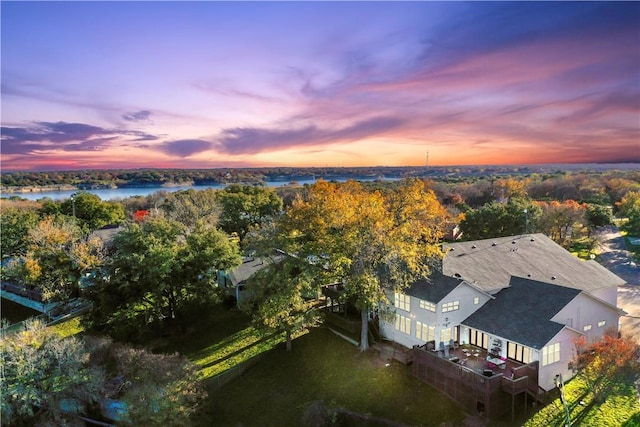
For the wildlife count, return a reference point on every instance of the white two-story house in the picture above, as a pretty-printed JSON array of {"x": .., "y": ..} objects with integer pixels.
[{"x": 524, "y": 298}]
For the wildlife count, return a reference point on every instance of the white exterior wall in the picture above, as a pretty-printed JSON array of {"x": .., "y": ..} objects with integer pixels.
[
  {"x": 463, "y": 293},
  {"x": 609, "y": 294},
  {"x": 417, "y": 314},
  {"x": 546, "y": 374},
  {"x": 584, "y": 310}
]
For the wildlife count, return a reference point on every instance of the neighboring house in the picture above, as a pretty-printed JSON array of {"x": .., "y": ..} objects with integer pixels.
[
  {"x": 519, "y": 301},
  {"x": 234, "y": 281}
]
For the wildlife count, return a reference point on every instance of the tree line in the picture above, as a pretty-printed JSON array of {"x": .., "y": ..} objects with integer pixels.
[{"x": 371, "y": 238}]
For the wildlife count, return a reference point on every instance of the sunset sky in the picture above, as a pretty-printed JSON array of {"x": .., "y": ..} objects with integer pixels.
[{"x": 258, "y": 84}]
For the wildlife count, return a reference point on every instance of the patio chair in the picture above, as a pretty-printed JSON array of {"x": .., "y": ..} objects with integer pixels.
[{"x": 453, "y": 344}]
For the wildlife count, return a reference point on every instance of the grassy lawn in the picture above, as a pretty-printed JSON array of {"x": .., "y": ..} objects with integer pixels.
[
  {"x": 281, "y": 385},
  {"x": 620, "y": 408},
  {"x": 323, "y": 367}
]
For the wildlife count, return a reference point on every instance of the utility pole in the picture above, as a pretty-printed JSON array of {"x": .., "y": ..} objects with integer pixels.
[
  {"x": 73, "y": 204},
  {"x": 560, "y": 385}
]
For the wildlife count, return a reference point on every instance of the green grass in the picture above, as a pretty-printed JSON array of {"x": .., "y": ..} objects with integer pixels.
[
  {"x": 620, "y": 407},
  {"x": 582, "y": 248},
  {"x": 323, "y": 367},
  {"x": 68, "y": 327}
]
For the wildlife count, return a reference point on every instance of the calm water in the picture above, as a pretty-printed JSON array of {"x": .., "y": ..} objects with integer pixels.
[{"x": 123, "y": 193}]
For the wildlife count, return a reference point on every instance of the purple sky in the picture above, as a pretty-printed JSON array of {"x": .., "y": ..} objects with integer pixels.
[{"x": 235, "y": 84}]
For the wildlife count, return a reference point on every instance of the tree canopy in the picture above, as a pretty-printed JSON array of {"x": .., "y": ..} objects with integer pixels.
[
  {"x": 157, "y": 268},
  {"x": 246, "y": 206},
  {"x": 91, "y": 211},
  {"x": 368, "y": 241},
  {"x": 48, "y": 379},
  {"x": 57, "y": 254},
  {"x": 40, "y": 370},
  {"x": 500, "y": 219}
]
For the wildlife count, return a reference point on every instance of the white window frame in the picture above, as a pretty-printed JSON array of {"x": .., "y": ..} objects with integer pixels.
[
  {"x": 425, "y": 332},
  {"x": 428, "y": 305},
  {"x": 402, "y": 302},
  {"x": 602, "y": 323},
  {"x": 476, "y": 300},
  {"x": 551, "y": 354},
  {"x": 451, "y": 306},
  {"x": 446, "y": 335},
  {"x": 403, "y": 324},
  {"x": 586, "y": 328}
]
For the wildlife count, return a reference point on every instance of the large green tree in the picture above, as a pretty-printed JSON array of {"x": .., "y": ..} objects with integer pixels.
[
  {"x": 15, "y": 223},
  {"x": 40, "y": 370},
  {"x": 246, "y": 206},
  {"x": 282, "y": 297},
  {"x": 91, "y": 211},
  {"x": 158, "y": 268},
  {"x": 494, "y": 219},
  {"x": 370, "y": 242},
  {"x": 191, "y": 206}
]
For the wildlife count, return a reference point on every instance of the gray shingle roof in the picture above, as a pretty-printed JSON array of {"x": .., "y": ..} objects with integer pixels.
[
  {"x": 434, "y": 288},
  {"x": 490, "y": 263},
  {"x": 521, "y": 313}
]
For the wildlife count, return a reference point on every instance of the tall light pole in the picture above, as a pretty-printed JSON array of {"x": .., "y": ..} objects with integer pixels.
[
  {"x": 526, "y": 221},
  {"x": 73, "y": 204}
]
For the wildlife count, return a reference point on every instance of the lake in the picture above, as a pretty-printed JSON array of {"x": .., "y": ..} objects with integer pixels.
[{"x": 123, "y": 193}]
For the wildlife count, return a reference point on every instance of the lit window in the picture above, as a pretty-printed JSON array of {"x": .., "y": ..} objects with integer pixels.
[
  {"x": 403, "y": 302},
  {"x": 403, "y": 324},
  {"x": 602, "y": 323},
  {"x": 476, "y": 300},
  {"x": 450, "y": 306},
  {"x": 519, "y": 352},
  {"x": 427, "y": 305},
  {"x": 550, "y": 354},
  {"x": 586, "y": 328},
  {"x": 445, "y": 335},
  {"x": 425, "y": 332}
]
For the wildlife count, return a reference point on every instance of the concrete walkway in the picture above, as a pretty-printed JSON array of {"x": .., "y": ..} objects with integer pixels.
[{"x": 618, "y": 260}]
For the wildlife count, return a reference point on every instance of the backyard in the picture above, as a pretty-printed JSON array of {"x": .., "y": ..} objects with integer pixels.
[{"x": 280, "y": 387}]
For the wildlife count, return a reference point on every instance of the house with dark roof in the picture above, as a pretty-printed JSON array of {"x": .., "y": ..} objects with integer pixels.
[{"x": 516, "y": 305}]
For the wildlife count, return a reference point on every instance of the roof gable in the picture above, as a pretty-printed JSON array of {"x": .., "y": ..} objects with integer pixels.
[
  {"x": 490, "y": 263},
  {"x": 433, "y": 288},
  {"x": 522, "y": 312}
]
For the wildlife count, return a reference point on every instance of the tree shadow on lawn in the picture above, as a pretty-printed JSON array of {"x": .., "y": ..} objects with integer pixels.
[{"x": 323, "y": 367}]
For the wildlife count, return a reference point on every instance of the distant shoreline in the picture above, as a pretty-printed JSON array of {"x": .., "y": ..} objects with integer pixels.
[{"x": 14, "y": 182}]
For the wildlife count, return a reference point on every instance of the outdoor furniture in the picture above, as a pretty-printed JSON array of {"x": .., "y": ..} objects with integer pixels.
[{"x": 497, "y": 362}]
